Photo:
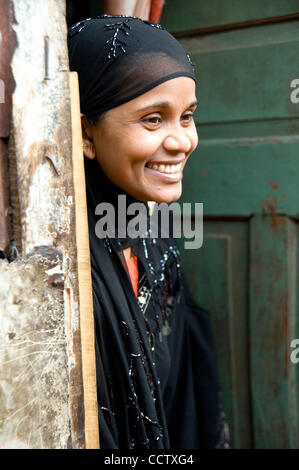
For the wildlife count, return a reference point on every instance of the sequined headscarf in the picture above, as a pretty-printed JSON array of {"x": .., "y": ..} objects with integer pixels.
[{"x": 118, "y": 58}]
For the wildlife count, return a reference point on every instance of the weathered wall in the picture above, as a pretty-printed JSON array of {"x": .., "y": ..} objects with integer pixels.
[
  {"x": 41, "y": 383},
  {"x": 33, "y": 355}
]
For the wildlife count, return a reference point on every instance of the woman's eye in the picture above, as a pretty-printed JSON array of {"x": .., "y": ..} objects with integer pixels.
[
  {"x": 188, "y": 117},
  {"x": 153, "y": 120}
]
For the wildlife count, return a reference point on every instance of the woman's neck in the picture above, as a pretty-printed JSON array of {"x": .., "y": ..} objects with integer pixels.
[{"x": 127, "y": 253}]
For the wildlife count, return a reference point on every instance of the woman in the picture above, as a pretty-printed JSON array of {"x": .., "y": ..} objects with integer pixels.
[{"x": 156, "y": 366}]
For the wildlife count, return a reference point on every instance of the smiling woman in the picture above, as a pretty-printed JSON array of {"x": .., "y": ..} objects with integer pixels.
[{"x": 156, "y": 365}]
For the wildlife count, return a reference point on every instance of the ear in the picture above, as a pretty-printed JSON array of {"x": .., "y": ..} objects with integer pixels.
[{"x": 88, "y": 146}]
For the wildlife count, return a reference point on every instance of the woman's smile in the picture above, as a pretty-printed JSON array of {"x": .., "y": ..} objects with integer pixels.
[
  {"x": 165, "y": 167},
  {"x": 166, "y": 172},
  {"x": 143, "y": 145}
]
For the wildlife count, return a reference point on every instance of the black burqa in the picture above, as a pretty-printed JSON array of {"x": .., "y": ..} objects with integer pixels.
[{"x": 155, "y": 357}]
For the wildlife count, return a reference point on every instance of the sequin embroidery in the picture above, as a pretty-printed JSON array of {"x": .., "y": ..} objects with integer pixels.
[{"x": 117, "y": 44}]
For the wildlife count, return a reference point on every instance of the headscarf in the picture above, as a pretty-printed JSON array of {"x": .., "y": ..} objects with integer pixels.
[{"x": 118, "y": 58}]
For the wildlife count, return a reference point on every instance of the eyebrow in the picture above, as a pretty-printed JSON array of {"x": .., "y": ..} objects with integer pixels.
[{"x": 164, "y": 104}]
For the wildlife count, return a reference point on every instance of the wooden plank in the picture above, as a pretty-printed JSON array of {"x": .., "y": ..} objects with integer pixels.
[
  {"x": 8, "y": 43},
  {"x": 5, "y": 229},
  {"x": 273, "y": 312},
  {"x": 84, "y": 275},
  {"x": 196, "y": 15}
]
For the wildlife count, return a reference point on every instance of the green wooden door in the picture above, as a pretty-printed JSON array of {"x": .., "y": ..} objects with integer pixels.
[{"x": 245, "y": 171}]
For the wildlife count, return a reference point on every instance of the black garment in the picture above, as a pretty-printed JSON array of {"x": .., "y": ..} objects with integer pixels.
[
  {"x": 119, "y": 58},
  {"x": 156, "y": 367},
  {"x": 192, "y": 400}
]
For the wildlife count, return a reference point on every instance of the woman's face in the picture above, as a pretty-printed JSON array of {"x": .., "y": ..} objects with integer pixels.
[{"x": 142, "y": 146}]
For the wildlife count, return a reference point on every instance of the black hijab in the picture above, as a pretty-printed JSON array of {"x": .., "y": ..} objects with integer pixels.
[
  {"x": 119, "y": 58},
  {"x": 155, "y": 357}
]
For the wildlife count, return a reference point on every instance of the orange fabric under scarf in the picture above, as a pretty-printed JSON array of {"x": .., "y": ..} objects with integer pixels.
[{"x": 132, "y": 264}]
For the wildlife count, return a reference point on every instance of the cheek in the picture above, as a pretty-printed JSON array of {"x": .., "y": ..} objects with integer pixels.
[
  {"x": 140, "y": 149},
  {"x": 123, "y": 156}
]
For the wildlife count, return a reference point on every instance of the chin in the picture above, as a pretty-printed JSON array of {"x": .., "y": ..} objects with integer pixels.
[{"x": 166, "y": 197}]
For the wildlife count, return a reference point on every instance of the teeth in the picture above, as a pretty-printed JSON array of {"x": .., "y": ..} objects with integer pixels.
[{"x": 165, "y": 168}]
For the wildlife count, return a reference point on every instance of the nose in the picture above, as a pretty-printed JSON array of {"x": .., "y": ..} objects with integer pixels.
[{"x": 178, "y": 141}]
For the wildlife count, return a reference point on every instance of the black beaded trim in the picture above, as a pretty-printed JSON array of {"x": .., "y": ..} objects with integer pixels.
[
  {"x": 116, "y": 43},
  {"x": 81, "y": 25},
  {"x": 155, "y": 25},
  {"x": 190, "y": 61},
  {"x": 105, "y": 15},
  {"x": 77, "y": 27}
]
